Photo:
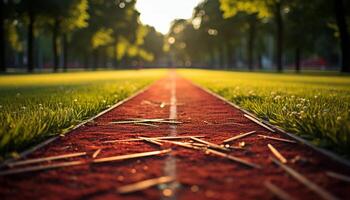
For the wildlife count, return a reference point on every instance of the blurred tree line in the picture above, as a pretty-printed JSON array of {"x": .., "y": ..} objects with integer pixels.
[
  {"x": 226, "y": 34},
  {"x": 75, "y": 33},
  {"x": 258, "y": 34}
]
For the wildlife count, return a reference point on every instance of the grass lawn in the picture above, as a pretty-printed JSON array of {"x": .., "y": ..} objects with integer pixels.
[
  {"x": 34, "y": 107},
  {"x": 315, "y": 107}
]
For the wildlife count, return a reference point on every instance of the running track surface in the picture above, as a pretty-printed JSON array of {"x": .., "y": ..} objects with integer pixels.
[{"x": 198, "y": 175}]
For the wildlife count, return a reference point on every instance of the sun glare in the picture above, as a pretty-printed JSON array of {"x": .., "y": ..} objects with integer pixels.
[{"x": 160, "y": 13}]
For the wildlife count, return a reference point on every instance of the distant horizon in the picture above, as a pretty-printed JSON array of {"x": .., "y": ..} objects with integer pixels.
[{"x": 161, "y": 13}]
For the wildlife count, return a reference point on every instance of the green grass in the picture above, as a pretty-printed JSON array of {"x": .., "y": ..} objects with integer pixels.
[
  {"x": 315, "y": 107},
  {"x": 34, "y": 107}
]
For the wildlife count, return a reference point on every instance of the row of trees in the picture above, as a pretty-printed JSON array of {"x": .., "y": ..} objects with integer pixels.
[
  {"x": 250, "y": 32},
  {"x": 62, "y": 33}
]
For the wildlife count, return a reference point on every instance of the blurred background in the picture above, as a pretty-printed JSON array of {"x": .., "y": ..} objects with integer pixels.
[{"x": 272, "y": 35}]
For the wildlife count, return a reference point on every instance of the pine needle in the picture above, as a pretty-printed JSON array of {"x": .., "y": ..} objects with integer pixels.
[{"x": 142, "y": 185}]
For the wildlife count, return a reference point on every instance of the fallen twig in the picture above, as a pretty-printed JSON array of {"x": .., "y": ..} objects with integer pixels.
[
  {"x": 233, "y": 158},
  {"x": 40, "y": 168},
  {"x": 258, "y": 122},
  {"x": 96, "y": 153},
  {"x": 182, "y": 144},
  {"x": 212, "y": 145},
  {"x": 130, "y": 156},
  {"x": 277, "y": 139},
  {"x": 144, "y": 184},
  {"x": 145, "y": 124},
  {"x": 338, "y": 176},
  {"x": 302, "y": 179},
  {"x": 162, "y": 138},
  {"x": 277, "y": 153},
  {"x": 145, "y": 121},
  {"x": 238, "y": 136},
  {"x": 152, "y": 141},
  {"x": 278, "y": 192},
  {"x": 37, "y": 160}
]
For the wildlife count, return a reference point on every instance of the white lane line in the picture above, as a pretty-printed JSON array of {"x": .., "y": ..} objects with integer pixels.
[{"x": 170, "y": 163}]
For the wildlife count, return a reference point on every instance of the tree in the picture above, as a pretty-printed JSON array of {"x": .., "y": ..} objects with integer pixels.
[
  {"x": 340, "y": 16},
  {"x": 262, "y": 9},
  {"x": 31, "y": 10}
]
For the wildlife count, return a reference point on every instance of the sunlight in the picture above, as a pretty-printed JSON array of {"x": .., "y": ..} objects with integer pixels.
[{"x": 160, "y": 13}]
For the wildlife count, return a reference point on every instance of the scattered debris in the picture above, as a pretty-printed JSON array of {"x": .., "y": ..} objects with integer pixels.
[
  {"x": 144, "y": 184},
  {"x": 299, "y": 159},
  {"x": 277, "y": 154},
  {"x": 146, "y": 122},
  {"x": 152, "y": 141},
  {"x": 338, "y": 176},
  {"x": 238, "y": 136},
  {"x": 259, "y": 122},
  {"x": 46, "y": 159},
  {"x": 130, "y": 156},
  {"x": 212, "y": 145},
  {"x": 161, "y": 138},
  {"x": 74, "y": 163},
  {"x": 278, "y": 192},
  {"x": 96, "y": 153},
  {"x": 277, "y": 139},
  {"x": 302, "y": 179},
  {"x": 40, "y": 168},
  {"x": 241, "y": 144},
  {"x": 233, "y": 158},
  {"x": 182, "y": 144}
]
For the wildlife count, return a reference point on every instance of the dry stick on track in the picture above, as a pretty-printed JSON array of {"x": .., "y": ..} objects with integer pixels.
[
  {"x": 212, "y": 145},
  {"x": 281, "y": 194},
  {"x": 233, "y": 158},
  {"x": 95, "y": 154},
  {"x": 278, "y": 155},
  {"x": 144, "y": 184},
  {"x": 152, "y": 141},
  {"x": 155, "y": 138},
  {"x": 73, "y": 163},
  {"x": 182, "y": 144},
  {"x": 277, "y": 139},
  {"x": 259, "y": 122},
  {"x": 338, "y": 176},
  {"x": 302, "y": 179},
  {"x": 40, "y": 168},
  {"x": 46, "y": 159},
  {"x": 130, "y": 156},
  {"x": 238, "y": 136}
]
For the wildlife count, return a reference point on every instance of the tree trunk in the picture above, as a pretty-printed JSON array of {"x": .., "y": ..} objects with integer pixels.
[
  {"x": 30, "y": 48},
  {"x": 230, "y": 61},
  {"x": 260, "y": 62},
  {"x": 344, "y": 34},
  {"x": 297, "y": 59},
  {"x": 251, "y": 41},
  {"x": 86, "y": 61},
  {"x": 279, "y": 38},
  {"x": 96, "y": 59},
  {"x": 2, "y": 38},
  {"x": 54, "y": 45},
  {"x": 115, "y": 56},
  {"x": 65, "y": 52},
  {"x": 221, "y": 57}
]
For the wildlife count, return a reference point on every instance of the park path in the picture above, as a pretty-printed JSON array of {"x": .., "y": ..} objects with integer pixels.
[{"x": 198, "y": 175}]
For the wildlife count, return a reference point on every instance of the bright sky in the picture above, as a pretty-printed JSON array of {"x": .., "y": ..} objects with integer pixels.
[{"x": 160, "y": 13}]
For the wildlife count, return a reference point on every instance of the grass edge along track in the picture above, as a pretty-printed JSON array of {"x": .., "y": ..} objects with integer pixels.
[
  {"x": 313, "y": 106},
  {"x": 35, "y": 107}
]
